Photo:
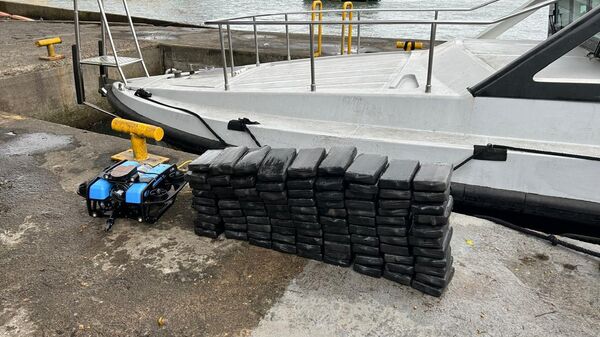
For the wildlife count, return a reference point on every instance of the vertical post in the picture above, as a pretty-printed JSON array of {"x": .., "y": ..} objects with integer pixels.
[
  {"x": 256, "y": 41},
  {"x": 224, "y": 58},
  {"x": 358, "y": 33},
  {"x": 287, "y": 38},
  {"x": 77, "y": 32},
  {"x": 313, "y": 85},
  {"x": 103, "y": 36},
  {"x": 431, "y": 49},
  {"x": 231, "y": 65}
]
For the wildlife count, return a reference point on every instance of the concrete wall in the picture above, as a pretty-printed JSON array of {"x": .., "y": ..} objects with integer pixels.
[{"x": 49, "y": 94}]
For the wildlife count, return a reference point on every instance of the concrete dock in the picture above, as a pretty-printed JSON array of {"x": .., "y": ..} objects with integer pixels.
[{"x": 64, "y": 276}]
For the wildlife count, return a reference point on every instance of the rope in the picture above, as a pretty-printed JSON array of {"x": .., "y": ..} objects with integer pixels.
[
  {"x": 146, "y": 95},
  {"x": 548, "y": 237}
]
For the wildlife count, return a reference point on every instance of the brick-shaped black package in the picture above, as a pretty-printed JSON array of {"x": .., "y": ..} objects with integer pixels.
[{"x": 337, "y": 161}]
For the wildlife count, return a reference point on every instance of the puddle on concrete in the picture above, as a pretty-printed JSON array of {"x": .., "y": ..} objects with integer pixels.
[{"x": 32, "y": 143}]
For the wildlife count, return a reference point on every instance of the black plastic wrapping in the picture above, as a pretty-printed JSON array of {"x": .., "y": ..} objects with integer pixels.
[
  {"x": 270, "y": 187},
  {"x": 226, "y": 160},
  {"x": 361, "y": 220},
  {"x": 243, "y": 181},
  {"x": 368, "y": 270},
  {"x": 251, "y": 161},
  {"x": 391, "y": 221},
  {"x": 391, "y": 231},
  {"x": 275, "y": 165},
  {"x": 361, "y": 230},
  {"x": 435, "y": 281},
  {"x": 398, "y": 278},
  {"x": 202, "y": 163},
  {"x": 399, "y": 174},
  {"x": 431, "y": 197},
  {"x": 400, "y": 268},
  {"x": 366, "y": 169},
  {"x": 366, "y": 260},
  {"x": 408, "y": 260},
  {"x": 337, "y": 161},
  {"x": 395, "y": 194},
  {"x": 329, "y": 184},
  {"x": 433, "y": 178},
  {"x": 301, "y": 184},
  {"x": 306, "y": 163}
]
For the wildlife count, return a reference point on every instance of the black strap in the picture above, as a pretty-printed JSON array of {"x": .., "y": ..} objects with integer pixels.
[
  {"x": 141, "y": 93},
  {"x": 549, "y": 237}
]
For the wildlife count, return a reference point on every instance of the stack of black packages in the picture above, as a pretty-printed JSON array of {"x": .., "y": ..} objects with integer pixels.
[
  {"x": 301, "y": 181},
  {"x": 337, "y": 249},
  {"x": 208, "y": 221},
  {"x": 244, "y": 187},
  {"x": 219, "y": 178},
  {"x": 274, "y": 232},
  {"x": 393, "y": 220},
  {"x": 361, "y": 192},
  {"x": 431, "y": 233}
]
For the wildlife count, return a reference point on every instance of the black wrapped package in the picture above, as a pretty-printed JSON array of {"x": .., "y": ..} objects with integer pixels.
[
  {"x": 270, "y": 187},
  {"x": 224, "y": 162},
  {"x": 433, "y": 209},
  {"x": 259, "y": 242},
  {"x": 283, "y": 247},
  {"x": 333, "y": 222},
  {"x": 303, "y": 210},
  {"x": 206, "y": 209},
  {"x": 220, "y": 180},
  {"x": 433, "y": 220},
  {"x": 202, "y": 163},
  {"x": 368, "y": 270},
  {"x": 229, "y": 204},
  {"x": 333, "y": 212},
  {"x": 306, "y": 163},
  {"x": 275, "y": 198},
  {"x": 342, "y": 238},
  {"x": 366, "y": 169},
  {"x": 398, "y": 259},
  {"x": 240, "y": 227},
  {"x": 365, "y": 240},
  {"x": 307, "y": 202},
  {"x": 231, "y": 212},
  {"x": 243, "y": 181},
  {"x": 251, "y": 161},
  {"x": 362, "y": 230},
  {"x": 365, "y": 250},
  {"x": 235, "y": 235},
  {"x": 435, "y": 281},
  {"x": 391, "y": 231},
  {"x": 283, "y": 230},
  {"x": 396, "y": 212},
  {"x": 433, "y": 178},
  {"x": 359, "y": 196},
  {"x": 397, "y": 221},
  {"x": 400, "y": 268},
  {"x": 366, "y": 260},
  {"x": 396, "y": 240},
  {"x": 330, "y": 204},
  {"x": 435, "y": 243},
  {"x": 399, "y": 174},
  {"x": 301, "y": 194},
  {"x": 329, "y": 184},
  {"x": 301, "y": 184},
  {"x": 275, "y": 165},
  {"x": 394, "y": 250},
  {"x": 337, "y": 161},
  {"x": 206, "y": 232},
  {"x": 282, "y": 238},
  {"x": 435, "y": 262},
  {"x": 204, "y": 194},
  {"x": 204, "y": 201},
  {"x": 435, "y": 271},
  {"x": 434, "y": 253},
  {"x": 337, "y": 262},
  {"x": 196, "y": 177},
  {"x": 310, "y": 232},
  {"x": 426, "y": 231},
  {"x": 431, "y": 197},
  {"x": 266, "y": 236},
  {"x": 361, "y": 220},
  {"x": 307, "y": 225},
  {"x": 398, "y": 278},
  {"x": 395, "y": 194},
  {"x": 311, "y": 240},
  {"x": 391, "y": 204}
]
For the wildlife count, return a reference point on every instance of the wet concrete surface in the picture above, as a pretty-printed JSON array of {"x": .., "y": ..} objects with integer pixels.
[{"x": 62, "y": 275}]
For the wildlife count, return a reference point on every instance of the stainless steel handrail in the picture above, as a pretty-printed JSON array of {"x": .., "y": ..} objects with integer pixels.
[
  {"x": 433, "y": 23},
  {"x": 373, "y": 10}
]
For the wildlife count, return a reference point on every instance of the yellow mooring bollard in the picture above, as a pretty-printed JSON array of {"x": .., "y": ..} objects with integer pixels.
[
  {"x": 139, "y": 132},
  {"x": 409, "y": 45},
  {"x": 49, "y": 44}
]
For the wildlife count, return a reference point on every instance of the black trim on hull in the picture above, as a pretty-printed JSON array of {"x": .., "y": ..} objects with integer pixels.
[
  {"x": 571, "y": 210},
  {"x": 182, "y": 140}
]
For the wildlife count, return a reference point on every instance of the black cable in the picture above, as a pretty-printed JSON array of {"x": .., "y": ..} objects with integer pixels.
[
  {"x": 141, "y": 93},
  {"x": 549, "y": 237},
  {"x": 252, "y": 136}
]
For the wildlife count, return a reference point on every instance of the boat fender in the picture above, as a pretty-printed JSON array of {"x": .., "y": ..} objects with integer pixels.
[
  {"x": 143, "y": 93},
  {"x": 241, "y": 124}
]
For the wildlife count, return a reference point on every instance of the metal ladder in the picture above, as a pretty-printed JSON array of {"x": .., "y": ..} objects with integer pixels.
[{"x": 103, "y": 60}]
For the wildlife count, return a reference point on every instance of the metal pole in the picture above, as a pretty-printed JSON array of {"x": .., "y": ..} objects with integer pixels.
[
  {"x": 103, "y": 35},
  {"x": 112, "y": 43},
  {"x": 431, "y": 49},
  {"x": 358, "y": 33},
  {"x": 313, "y": 85},
  {"x": 256, "y": 42},
  {"x": 287, "y": 38},
  {"x": 231, "y": 65},
  {"x": 135, "y": 39},
  {"x": 77, "y": 33},
  {"x": 225, "y": 79}
]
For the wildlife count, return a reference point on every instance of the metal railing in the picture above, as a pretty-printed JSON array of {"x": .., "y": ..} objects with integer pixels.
[{"x": 252, "y": 20}]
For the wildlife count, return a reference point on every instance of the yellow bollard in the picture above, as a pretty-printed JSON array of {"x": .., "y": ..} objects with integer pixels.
[
  {"x": 49, "y": 44},
  {"x": 318, "y": 4},
  {"x": 138, "y": 132},
  {"x": 345, "y": 6},
  {"x": 409, "y": 45}
]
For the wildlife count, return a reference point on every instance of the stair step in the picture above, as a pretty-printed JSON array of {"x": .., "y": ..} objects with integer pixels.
[{"x": 109, "y": 61}]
